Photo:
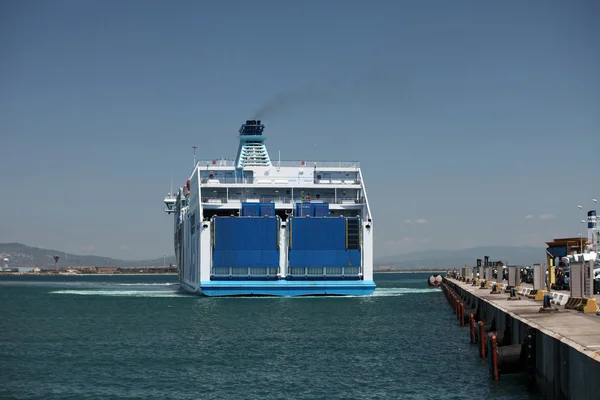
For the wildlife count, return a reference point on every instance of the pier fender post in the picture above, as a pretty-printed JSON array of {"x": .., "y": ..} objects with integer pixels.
[
  {"x": 482, "y": 330},
  {"x": 472, "y": 326},
  {"x": 481, "y": 339},
  {"x": 500, "y": 338},
  {"x": 493, "y": 351},
  {"x": 456, "y": 303},
  {"x": 466, "y": 314}
]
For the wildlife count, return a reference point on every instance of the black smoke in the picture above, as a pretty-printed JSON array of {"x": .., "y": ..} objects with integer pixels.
[{"x": 366, "y": 89}]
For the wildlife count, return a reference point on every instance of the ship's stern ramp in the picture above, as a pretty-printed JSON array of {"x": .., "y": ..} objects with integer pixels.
[
  {"x": 245, "y": 248},
  {"x": 324, "y": 248}
]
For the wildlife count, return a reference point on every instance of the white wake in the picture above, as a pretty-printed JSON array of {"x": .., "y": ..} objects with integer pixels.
[{"x": 122, "y": 293}]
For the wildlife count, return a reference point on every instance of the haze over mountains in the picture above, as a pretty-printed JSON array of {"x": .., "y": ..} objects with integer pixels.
[
  {"x": 442, "y": 259},
  {"x": 23, "y": 255}
]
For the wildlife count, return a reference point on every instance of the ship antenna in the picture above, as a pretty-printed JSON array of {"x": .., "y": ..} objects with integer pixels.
[
  {"x": 171, "y": 192},
  {"x": 194, "y": 147}
]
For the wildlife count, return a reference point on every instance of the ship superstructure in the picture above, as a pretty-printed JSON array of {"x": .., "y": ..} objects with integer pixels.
[{"x": 253, "y": 227}]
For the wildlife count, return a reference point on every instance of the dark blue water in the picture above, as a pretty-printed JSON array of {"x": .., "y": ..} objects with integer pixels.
[{"x": 137, "y": 337}]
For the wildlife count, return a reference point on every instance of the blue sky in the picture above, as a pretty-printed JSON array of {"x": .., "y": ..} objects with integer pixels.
[{"x": 479, "y": 119}]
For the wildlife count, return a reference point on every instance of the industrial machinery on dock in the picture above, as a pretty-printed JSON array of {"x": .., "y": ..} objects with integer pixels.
[{"x": 250, "y": 226}]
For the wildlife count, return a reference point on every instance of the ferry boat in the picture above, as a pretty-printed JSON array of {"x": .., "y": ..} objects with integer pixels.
[{"x": 254, "y": 227}]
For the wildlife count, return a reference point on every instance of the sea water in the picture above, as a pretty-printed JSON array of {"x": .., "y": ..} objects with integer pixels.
[{"x": 88, "y": 337}]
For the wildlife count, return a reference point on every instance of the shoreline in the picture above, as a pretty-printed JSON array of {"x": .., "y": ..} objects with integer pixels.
[
  {"x": 64, "y": 274},
  {"x": 175, "y": 274},
  {"x": 410, "y": 272}
]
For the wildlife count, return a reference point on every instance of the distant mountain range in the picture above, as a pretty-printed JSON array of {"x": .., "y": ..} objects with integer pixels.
[
  {"x": 442, "y": 259},
  {"x": 22, "y": 255}
]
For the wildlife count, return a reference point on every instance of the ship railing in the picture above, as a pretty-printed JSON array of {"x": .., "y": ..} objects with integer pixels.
[
  {"x": 222, "y": 162},
  {"x": 317, "y": 164},
  {"x": 327, "y": 271},
  {"x": 244, "y": 273},
  {"x": 220, "y": 181},
  {"x": 276, "y": 181},
  {"x": 228, "y": 273},
  {"x": 219, "y": 162},
  {"x": 281, "y": 199}
]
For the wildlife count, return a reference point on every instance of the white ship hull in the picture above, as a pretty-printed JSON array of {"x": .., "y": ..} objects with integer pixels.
[{"x": 250, "y": 228}]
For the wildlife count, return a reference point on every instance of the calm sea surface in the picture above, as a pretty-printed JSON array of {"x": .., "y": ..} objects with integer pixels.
[{"x": 137, "y": 337}]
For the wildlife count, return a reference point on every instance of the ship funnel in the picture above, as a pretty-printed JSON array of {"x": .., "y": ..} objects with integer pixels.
[
  {"x": 252, "y": 150},
  {"x": 252, "y": 127}
]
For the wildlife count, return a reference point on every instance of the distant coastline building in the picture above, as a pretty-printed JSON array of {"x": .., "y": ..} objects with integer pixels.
[{"x": 106, "y": 270}]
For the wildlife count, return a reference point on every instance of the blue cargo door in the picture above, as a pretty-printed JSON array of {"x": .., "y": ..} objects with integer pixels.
[
  {"x": 245, "y": 247},
  {"x": 324, "y": 248}
]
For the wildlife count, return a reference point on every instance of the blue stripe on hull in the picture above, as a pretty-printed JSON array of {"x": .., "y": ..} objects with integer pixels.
[{"x": 288, "y": 288}]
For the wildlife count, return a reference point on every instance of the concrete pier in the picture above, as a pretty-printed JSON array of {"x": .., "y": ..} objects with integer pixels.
[{"x": 566, "y": 364}]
